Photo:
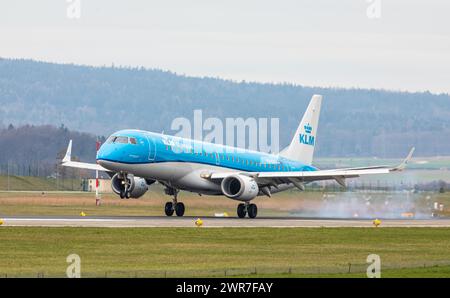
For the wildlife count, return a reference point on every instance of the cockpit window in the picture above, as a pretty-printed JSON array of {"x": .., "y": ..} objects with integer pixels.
[
  {"x": 121, "y": 140},
  {"x": 133, "y": 141},
  {"x": 111, "y": 139},
  {"x": 117, "y": 140}
]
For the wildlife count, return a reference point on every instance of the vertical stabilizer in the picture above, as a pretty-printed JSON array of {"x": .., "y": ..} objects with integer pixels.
[{"x": 302, "y": 145}]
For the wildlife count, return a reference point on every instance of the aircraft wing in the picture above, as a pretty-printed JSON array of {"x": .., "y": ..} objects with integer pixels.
[
  {"x": 67, "y": 162},
  {"x": 399, "y": 167},
  {"x": 297, "y": 178}
]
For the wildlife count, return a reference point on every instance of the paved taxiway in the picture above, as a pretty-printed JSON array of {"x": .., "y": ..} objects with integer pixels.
[{"x": 162, "y": 221}]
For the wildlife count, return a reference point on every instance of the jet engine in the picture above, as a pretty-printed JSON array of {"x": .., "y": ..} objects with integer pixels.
[
  {"x": 129, "y": 186},
  {"x": 239, "y": 187}
]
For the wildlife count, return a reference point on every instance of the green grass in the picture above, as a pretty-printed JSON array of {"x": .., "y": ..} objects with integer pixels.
[
  {"x": 431, "y": 271},
  {"x": 218, "y": 251},
  {"x": 29, "y": 183}
]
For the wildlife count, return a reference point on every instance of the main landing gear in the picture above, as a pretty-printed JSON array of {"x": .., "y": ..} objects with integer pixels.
[
  {"x": 174, "y": 206},
  {"x": 247, "y": 208}
]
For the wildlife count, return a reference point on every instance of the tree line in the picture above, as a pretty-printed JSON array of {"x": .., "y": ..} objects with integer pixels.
[
  {"x": 101, "y": 100},
  {"x": 31, "y": 150}
]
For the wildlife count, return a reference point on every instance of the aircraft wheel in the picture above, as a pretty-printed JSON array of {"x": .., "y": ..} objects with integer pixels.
[
  {"x": 179, "y": 209},
  {"x": 252, "y": 210},
  {"x": 127, "y": 195},
  {"x": 122, "y": 195},
  {"x": 169, "y": 209},
  {"x": 241, "y": 212}
]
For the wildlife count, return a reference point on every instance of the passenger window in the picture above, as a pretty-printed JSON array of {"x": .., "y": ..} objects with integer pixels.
[{"x": 133, "y": 141}]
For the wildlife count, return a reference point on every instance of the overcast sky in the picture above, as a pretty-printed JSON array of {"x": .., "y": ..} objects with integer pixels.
[{"x": 406, "y": 46}]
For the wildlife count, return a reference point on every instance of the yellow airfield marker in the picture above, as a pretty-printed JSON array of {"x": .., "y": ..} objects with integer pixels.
[
  {"x": 376, "y": 222},
  {"x": 1, "y": 221},
  {"x": 82, "y": 213},
  {"x": 199, "y": 222}
]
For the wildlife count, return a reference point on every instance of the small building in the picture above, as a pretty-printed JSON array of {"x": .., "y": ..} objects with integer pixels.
[{"x": 104, "y": 185}]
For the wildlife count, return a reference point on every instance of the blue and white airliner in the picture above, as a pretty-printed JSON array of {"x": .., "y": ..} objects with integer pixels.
[{"x": 135, "y": 159}]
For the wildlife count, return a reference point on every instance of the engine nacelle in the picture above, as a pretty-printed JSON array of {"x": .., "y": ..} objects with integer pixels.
[
  {"x": 135, "y": 186},
  {"x": 239, "y": 187}
]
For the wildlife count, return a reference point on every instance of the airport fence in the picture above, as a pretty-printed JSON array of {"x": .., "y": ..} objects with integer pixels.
[
  {"x": 339, "y": 270},
  {"x": 14, "y": 182}
]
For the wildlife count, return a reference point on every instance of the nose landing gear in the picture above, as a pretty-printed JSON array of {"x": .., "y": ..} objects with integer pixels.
[
  {"x": 246, "y": 208},
  {"x": 126, "y": 183}
]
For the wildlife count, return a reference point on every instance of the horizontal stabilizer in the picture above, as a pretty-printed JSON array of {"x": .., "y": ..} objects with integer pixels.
[{"x": 67, "y": 162}]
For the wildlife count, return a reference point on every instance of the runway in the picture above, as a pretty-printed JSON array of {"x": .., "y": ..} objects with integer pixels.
[{"x": 211, "y": 222}]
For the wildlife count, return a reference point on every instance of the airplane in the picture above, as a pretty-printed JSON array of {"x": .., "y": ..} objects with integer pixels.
[{"x": 135, "y": 159}]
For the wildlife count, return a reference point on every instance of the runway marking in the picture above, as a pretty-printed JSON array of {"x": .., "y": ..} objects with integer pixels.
[
  {"x": 214, "y": 222},
  {"x": 62, "y": 219}
]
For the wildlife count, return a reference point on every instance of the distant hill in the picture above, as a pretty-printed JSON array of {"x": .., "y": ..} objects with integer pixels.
[
  {"x": 35, "y": 150},
  {"x": 100, "y": 100}
]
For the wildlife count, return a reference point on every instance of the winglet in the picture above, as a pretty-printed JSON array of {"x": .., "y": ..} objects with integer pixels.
[
  {"x": 403, "y": 164},
  {"x": 68, "y": 155},
  {"x": 340, "y": 181}
]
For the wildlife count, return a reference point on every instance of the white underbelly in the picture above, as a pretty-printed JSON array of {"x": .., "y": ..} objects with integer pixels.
[{"x": 182, "y": 175}]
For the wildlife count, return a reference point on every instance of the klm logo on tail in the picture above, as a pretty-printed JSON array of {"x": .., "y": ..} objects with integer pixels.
[{"x": 306, "y": 138}]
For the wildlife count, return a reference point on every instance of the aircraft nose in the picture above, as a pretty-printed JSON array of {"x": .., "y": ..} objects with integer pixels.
[
  {"x": 102, "y": 157},
  {"x": 102, "y": 153},
  {"x": 107, "y": 153}
]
